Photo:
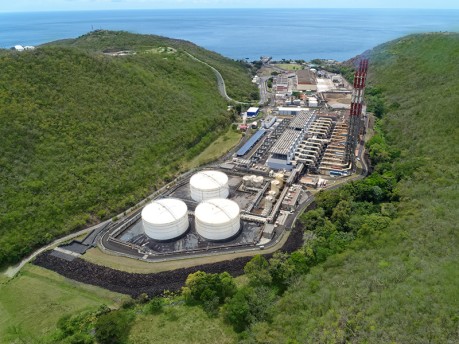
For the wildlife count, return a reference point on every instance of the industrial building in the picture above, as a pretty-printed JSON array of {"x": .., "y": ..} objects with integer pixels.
[
  {"x": 251, "y": 142},
  {"x": 284, "y": 84},
  {"x": 306, "y": 80},
  {"x": 283, "y": 152},
  {"x": 252, "y": 111},
  {"x": 290, "y": 111},
  {"x": 266, "y": 179},
  {"x": 302, "y": 121},
  {"x": 312, "y": 102},
  {"x": 291, "y": 199},
  {"x": 269, "y": 121},
  {"x": 334, "y": 159}
]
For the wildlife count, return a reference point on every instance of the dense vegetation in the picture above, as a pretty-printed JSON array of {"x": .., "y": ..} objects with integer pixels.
[
  {"x": 397, "y": 282},
  {"x": 238, "y": 86},
  {"x": 85, "y": 135}
]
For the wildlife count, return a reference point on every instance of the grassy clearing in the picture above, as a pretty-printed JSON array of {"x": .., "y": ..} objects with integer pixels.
[
  {"x": 215, "y": 150},
  {"x": 32, "y": 302},
  {"x": 289, "y": 66},
  {"x": 180, "y": 324}
]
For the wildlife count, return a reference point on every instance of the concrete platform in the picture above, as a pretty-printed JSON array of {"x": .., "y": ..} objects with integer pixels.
[{"x": 248, "y": 235}]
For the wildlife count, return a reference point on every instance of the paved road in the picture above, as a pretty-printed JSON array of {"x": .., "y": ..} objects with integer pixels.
[
  {"x": 264, "y": 94},
  {"x": 220, "y": 81},
  {"x": 13, "y": 270}
]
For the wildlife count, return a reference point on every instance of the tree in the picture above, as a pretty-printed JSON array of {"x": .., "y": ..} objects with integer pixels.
[
  {"x": 155, "y": 306},
  {"x": 313, "y": 219},
  {"x": 113, "y": 327},
  {"x": 282, "y": 270},
  {"x": 249, "y": 305},
  {"x": 237, "y": 311},
  {"x": 209, "y": 290},
  {"x": 373, "y": 223},
  {"x": 299, "y": 262},
  {"x": 257, "y": 270},
  {"x": 341, "y": 214}
]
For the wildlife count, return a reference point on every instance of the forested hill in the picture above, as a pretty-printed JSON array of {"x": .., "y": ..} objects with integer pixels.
[
  {"x": 386, "y": 252},
  {"x": 234, "y": 73},
  {"x": 84, "y": 134}
]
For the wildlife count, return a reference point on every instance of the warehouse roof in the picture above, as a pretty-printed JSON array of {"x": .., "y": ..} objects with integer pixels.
[
  {"x": 285, "y": 142},
  {"x": 301, "y": 120},
  {"x": 305, "y": 76},
  {"x": 251, "y": 142},
  {"x": 294, "y": 109}
]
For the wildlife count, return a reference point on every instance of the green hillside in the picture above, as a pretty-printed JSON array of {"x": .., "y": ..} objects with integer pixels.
[
  {"x": 85, "y": 135},
  {"x": 239, "y": 87},
  {"x": 398, "y": 281}
]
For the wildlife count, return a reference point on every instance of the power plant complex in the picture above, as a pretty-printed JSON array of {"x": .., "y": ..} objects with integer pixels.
[{"x": 250, "y": 200}]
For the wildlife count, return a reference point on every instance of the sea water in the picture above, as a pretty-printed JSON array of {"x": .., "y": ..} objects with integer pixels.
[{"x": 240, "y": 33}]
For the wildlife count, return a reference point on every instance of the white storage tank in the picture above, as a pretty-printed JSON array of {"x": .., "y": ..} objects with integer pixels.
[
  {"x": 276, "y": 185},
  {"x": 280, "y": 178},
  {"x": 165, "y": 219},
  {"x": 206, "y": 185},
  {"x": 273, "y": 193},
  {"x": 258, "y": 181},
  {"x": 269, "y": 200},
  {"x": 217, "y": 219},
  {"x": 247, "y": 181}
]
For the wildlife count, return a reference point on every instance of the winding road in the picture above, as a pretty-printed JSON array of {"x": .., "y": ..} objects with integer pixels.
[
  {"x": 220, "y": 82},
  {"x": 13, "y": 270}
]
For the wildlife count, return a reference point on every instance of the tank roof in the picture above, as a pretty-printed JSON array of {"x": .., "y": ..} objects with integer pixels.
[
  {"x": 217, "y": 211},
  {"x": 209, "y": 180},
  {"x": 163, "y": 211}
]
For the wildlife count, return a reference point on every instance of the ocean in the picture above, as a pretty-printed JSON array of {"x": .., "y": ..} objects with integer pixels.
[{"x": 240, "y": 33}]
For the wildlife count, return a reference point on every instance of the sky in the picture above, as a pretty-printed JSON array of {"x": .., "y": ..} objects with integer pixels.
[{"x": 75, "y": 5}]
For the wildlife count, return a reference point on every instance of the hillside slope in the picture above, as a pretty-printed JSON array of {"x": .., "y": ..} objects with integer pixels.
[
  {"x": 236, "y": 74},
  {"x": 84, "y": 134},
  {"x": 399, "y": 284}
]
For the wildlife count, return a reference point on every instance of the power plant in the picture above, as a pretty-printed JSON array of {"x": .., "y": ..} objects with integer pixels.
[{"x": 249, "y": 200}]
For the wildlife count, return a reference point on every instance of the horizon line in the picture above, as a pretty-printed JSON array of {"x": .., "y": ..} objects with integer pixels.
[{"x": 232, "y": 8}]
